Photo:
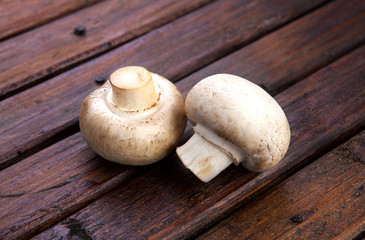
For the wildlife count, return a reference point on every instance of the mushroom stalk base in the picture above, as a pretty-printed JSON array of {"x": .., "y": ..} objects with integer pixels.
[
  {"x": 133, "y": 88},
  {"x": 203, "y": 158}
]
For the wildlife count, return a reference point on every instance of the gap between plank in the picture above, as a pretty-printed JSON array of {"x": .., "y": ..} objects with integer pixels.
[
  {"x": 111, "y": 48},
  {"x": 298, "y": 167},
  {"x": 260, "y": 36},
  {"x": 68, "y": 131},
  {"x": 360, "y": 236},
  {"x": 291, "y": 171},
  {"x": 73, "y": 128},
  {"x": 49, "y": 20},
  {"x": 284, "y": 175},
  {"x": 88, "y": 199},
  {"x": 108, "y": 48}
]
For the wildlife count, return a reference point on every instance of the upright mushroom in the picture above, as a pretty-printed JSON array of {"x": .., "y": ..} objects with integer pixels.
[
  {"x": 135, "y": 118},
  {"x": 235, "y": 121}
]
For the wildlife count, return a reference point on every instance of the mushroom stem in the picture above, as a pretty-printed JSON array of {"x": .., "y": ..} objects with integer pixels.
[
  {"x": 199, "y": 155},
  {"x": 235, "y": 152},
  {"x": 206, "y": 154},
  {"x": 133, "y": 88}
]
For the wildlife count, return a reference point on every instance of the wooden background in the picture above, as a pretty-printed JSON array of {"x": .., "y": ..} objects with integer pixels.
[{"x": 308, "y": 54}]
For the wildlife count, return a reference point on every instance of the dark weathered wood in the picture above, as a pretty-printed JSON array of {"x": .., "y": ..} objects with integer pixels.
[
  {"x": 174, "y": 50},
  {"x": 291, "y": 53},
  {"x": 67, "y": 196},
  {"x": 53, "y": 183},
  {"x": 167, "y": 201},
  {"x": 30, "y": 57},
  {"x": 325, "y": 200},
  {"x": 18, "y": 15}
]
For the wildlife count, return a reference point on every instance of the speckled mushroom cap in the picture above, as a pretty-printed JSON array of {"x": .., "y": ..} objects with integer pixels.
[
  {"x": 242, "y": 113},
  {"x": 133, "y": 137}
]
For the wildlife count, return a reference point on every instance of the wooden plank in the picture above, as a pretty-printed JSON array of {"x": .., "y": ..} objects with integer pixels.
[
  {"x": 168, "y": 202},
  {"x": 53, "y": 183},
  {"x": 19, "y": 16},
  {"x": 34, "y": 116},
  {"x": 33, "y": 56},
  {"x": 292, "y": 53},
  {"x": 70, "y": 193},
  {"x": 325, "y": 200}
]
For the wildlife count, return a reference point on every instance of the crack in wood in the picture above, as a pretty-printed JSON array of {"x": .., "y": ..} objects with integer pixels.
[
  {"x": 76, "y": 229},
  {"x": 54, "y": 186}
]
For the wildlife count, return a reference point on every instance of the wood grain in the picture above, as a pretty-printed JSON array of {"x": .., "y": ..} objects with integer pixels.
[
  {"x": 295, "y": 51},
  {"x": 168, "y": 202},
  {"x": 325, "y": 200},
  {"x": 69, "y": 190},
  {"x": 51, "y": 184},
  {"x": 64, "y": 191},
  {"x": 49, "y": 49},
  {"x": 19, "y": 15},
  {"x": 34, "y": 116}
]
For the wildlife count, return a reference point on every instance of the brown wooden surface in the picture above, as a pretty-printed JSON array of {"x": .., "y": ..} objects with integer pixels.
[
  {"x": 309, "y": 54},
  {"x": 274, "y": 62},
  {"x": 31, "y": 57},
  {"x": 17, "y": 16},
  {"x": 74, "y": 144},
  {"x": 304, "y": 206},
  {"x": 63, "y": 177},
  {"x": 179, "y": 193},
  {"x": 43, "y": 108}
]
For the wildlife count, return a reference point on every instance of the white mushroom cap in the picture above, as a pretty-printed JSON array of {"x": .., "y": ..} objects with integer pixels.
[
  {"x": 238, "y": 118},
  {"x": 136, "y": 118}
]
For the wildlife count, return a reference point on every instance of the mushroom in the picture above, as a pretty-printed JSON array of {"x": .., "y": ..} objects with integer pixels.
[
  {"x": 135, "y": 118},
  {"x": 234, "y": 121}
]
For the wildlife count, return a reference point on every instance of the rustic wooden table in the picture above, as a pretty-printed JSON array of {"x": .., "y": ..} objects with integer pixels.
[{"x": 308, "y": 54}]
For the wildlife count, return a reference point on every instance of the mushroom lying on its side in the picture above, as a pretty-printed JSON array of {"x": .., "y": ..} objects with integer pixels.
[
  {"x": 135, "y": 118},
  {"x": 235, "y": 121}
]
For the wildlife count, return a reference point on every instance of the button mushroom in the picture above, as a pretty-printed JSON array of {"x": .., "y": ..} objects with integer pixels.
[
  {"x": 235, "y": 121},
  {"x": 135, "y": 118}
]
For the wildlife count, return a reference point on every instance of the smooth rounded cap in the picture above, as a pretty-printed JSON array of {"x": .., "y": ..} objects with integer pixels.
[
  {"x": 137, "y": 137},
  {"x": 242, "y": 113}
]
